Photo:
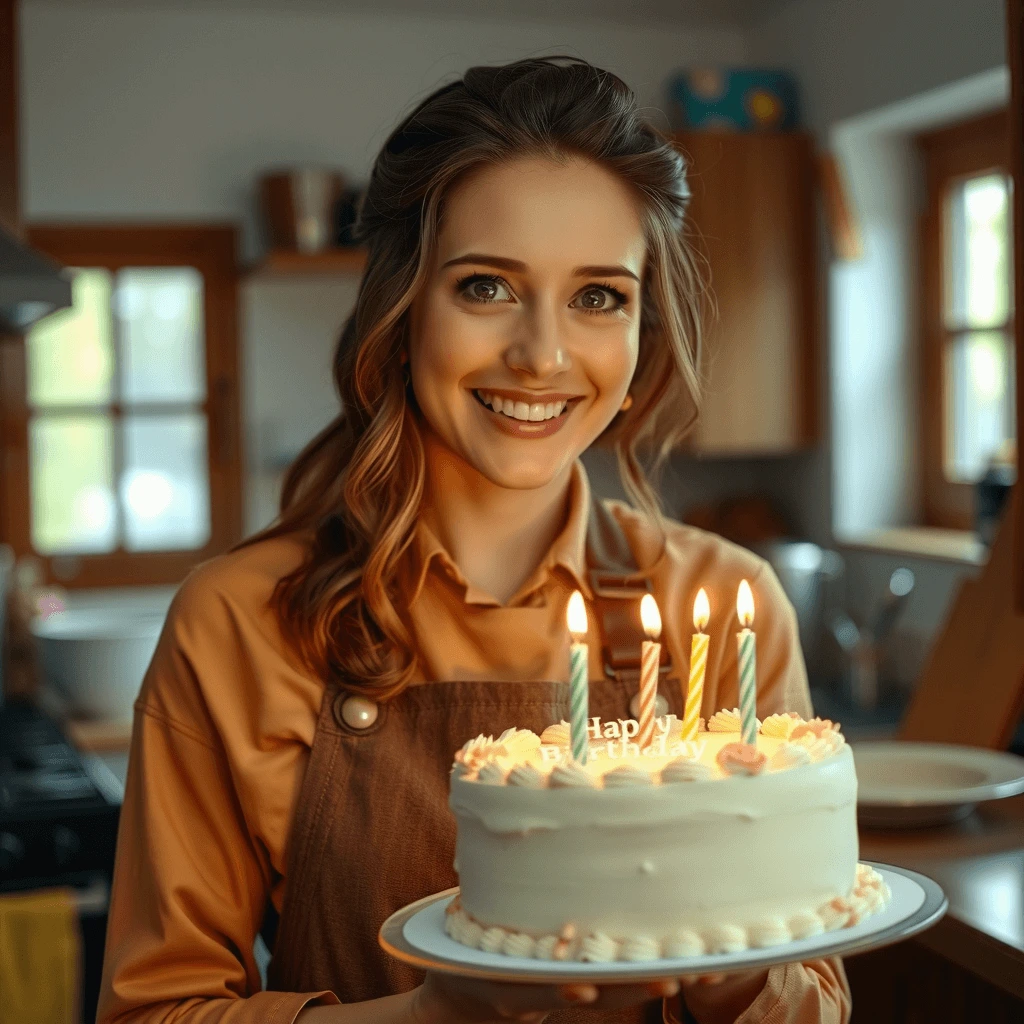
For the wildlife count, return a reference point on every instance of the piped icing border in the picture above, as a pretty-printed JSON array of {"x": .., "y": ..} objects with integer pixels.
[
  {"x": 869, "y": 895},
  {"x": 496, "y": 761}
]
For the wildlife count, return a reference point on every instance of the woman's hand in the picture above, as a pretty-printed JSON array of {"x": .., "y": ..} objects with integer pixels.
[{"x": 446, "y": 999}]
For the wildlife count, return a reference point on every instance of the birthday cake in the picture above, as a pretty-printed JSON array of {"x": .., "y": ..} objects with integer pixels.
[{"x": 705, "y": 845}]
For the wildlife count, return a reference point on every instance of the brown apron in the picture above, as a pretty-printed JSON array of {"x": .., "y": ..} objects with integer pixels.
[{"x": 372, "y": 830}]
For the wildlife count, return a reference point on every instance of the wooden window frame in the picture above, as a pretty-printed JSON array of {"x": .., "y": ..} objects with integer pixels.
[
  {"x": 948, "y": 154},
  {"x": 211, "y": 250}
]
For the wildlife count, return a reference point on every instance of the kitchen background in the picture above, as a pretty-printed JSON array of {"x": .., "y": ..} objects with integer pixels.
[{"x": 168, "y": 113}]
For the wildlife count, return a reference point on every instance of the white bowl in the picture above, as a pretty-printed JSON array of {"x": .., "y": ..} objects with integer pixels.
[{"x": 94, "y": 658}]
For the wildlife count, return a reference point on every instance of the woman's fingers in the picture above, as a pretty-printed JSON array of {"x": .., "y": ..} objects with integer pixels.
[
  {"x": 613, "y": 997},
  {"x": 702, "y": 979}
]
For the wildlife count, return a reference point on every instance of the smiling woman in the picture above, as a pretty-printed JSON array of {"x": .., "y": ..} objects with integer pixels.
[{"x": 529, "y": 291}]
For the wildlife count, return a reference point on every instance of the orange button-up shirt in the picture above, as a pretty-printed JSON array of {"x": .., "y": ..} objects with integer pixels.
[{"x": 225, "y": 720}]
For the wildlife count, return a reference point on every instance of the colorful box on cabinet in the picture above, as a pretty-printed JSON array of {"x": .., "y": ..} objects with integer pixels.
[{"x": 736, "y": 99}]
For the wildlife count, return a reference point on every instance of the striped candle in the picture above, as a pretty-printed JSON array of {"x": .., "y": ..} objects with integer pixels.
[
  {"x": 579, "y": 697},
  {"x": 747, "y": 658},
  {"x": 698, "y": 666},
  {"x": 650, "y": 658}
]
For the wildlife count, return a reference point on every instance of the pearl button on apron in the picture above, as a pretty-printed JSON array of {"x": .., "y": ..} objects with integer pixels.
[
  {"x": 358, "y": 712},
  {"x": 660, "y": 706}
]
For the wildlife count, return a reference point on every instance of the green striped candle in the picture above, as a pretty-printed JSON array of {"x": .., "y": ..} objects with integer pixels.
[
  {"x": 747, "y": 651},
  {"x": 579, "y": 659}
]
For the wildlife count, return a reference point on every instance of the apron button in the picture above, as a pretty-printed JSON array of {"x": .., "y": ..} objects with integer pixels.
[
  {"x": 358, "y": 712},
  {"x": 660, "y": 706}
]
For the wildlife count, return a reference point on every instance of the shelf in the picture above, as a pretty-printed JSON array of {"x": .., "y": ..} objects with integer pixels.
[
  {"x": 288, "y": 263},
  {"x": 920, "y": 541}
]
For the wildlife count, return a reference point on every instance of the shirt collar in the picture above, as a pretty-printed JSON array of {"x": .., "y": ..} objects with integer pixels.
[{"x": 567, "y": 551}]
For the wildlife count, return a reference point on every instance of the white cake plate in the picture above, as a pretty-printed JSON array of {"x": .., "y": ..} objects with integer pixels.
[{"x": 416, "y": 935}]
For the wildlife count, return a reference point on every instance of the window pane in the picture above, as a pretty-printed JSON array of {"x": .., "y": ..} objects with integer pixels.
[
  {"x": 979, "y": 384},
  {"x": 978, "y": 260},
  {"x": 72, "y": 481},
  {"x": 70, "y": 358},
  {"x": 160, "y": 318},
  {"x": 164, "y": 488}
]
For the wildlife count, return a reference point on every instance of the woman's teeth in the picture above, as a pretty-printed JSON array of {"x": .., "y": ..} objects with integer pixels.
[{"x": 534, "y": 412}]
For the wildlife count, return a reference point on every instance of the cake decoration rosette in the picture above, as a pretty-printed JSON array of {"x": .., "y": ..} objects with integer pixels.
[
  {"x": 741, "y": 759},
  {"x": 727, "y": 721}
]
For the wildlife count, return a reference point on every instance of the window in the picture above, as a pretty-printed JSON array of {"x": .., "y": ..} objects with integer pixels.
[
  {"x": 969, "y": 405},
  {"x": 127, "y": 468}
]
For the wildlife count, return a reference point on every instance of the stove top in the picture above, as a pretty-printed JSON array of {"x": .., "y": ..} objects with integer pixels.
[
  {"x": 38, "y": 767},
  {"x": 55, "y": 817}
]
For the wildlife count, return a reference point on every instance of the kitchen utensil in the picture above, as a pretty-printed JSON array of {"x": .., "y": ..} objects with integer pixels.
[
  {"x": 416, "y": 935},
  {"x": 806, "y": 572},
  {"x": 904, "y": 784},
  {"x": 862, "y": 642}
]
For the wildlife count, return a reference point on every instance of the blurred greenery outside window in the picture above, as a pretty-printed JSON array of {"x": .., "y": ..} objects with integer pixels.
[
  {"x": 968, "y": 374},
  {"x": 980, "y": 415},
  {"x": 117, "y": 428},
  {"x": 121, "y": 457}
]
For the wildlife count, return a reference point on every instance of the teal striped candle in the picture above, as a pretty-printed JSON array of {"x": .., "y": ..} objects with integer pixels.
[
  {"x": 747, "y": 660},
  {"x": 579, "y": 697}
]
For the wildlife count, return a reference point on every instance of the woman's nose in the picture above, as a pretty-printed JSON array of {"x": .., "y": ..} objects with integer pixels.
[{"x": 538, "y": 349}]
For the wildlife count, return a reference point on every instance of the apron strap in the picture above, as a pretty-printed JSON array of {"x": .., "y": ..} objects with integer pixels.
[{"x": 618, "y": 586}]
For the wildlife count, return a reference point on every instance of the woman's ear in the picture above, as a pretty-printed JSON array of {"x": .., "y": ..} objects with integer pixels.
[{"x": 627, "y": 403}]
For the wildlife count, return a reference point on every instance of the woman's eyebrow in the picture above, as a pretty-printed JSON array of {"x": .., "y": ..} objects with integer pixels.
[{"x": 518, "y": 267}]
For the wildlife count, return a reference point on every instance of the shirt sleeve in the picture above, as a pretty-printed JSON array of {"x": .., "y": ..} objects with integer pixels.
[
  {"x": 189, "y": 885},
  {"x": 813, "y": 992},
  {"x": 816, "y": 991}
]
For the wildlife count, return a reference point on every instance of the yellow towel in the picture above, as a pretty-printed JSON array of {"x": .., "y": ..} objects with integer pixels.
[{"x": 40, "y": 957}]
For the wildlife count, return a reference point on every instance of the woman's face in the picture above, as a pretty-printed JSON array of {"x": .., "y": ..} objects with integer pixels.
[{"x": 524, "y": 339}]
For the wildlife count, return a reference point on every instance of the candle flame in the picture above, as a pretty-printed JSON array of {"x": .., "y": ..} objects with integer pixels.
[
  {"x": 745, "y": 605},
  {"x": 576, "y": 617},
  {"x": 701, "y": 610},
  {"x": 650, "y": 616}
]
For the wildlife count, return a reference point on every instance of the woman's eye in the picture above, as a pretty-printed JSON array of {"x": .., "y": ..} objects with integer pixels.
[
  {"x": 601, "y": 300},
  {"x": 481, "y": 288}
]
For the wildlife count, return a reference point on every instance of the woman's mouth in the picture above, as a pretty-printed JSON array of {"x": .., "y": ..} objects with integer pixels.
[{"x": 525, "y": 419}]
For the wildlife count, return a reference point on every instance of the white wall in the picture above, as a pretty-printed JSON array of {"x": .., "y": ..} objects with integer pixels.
[
  {"x": 873, "y": 319},
  {"x": 171, "y": 115}
]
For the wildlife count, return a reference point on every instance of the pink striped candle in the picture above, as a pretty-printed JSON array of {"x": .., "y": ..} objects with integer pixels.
[{"x": 650, "y": 658}]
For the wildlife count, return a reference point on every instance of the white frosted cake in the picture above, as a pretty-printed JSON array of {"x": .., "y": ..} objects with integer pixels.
[{"x": 707, "y": 846}]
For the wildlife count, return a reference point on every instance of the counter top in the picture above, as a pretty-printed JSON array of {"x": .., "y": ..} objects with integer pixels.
[{"x": 979, "y": 862}]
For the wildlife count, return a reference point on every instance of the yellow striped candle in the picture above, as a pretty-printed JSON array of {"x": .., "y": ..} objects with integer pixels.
[
  {"x": 579, "y": 687},
  {"x": 698, "y": 666},
  {"x": 747, "y": 657},
  {"x": 650, "y": 658}
]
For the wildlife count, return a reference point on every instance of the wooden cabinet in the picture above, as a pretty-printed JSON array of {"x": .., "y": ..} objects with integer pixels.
[{"x": 753, "y": 219}]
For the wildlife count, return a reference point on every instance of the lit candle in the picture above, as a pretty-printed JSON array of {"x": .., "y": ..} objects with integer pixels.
[
  {"x": 650, "y": 656},
  {"x": 698, "y": 665},
  {"x": 747, "y": 663},
  {"x": 576, "y": 617}
]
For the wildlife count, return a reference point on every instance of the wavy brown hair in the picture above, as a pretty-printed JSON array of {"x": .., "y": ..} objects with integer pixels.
[{"x": 355, "y": 489}]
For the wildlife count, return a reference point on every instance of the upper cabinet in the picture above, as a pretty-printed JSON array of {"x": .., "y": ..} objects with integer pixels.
[{"x": 753, "y": 218}]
